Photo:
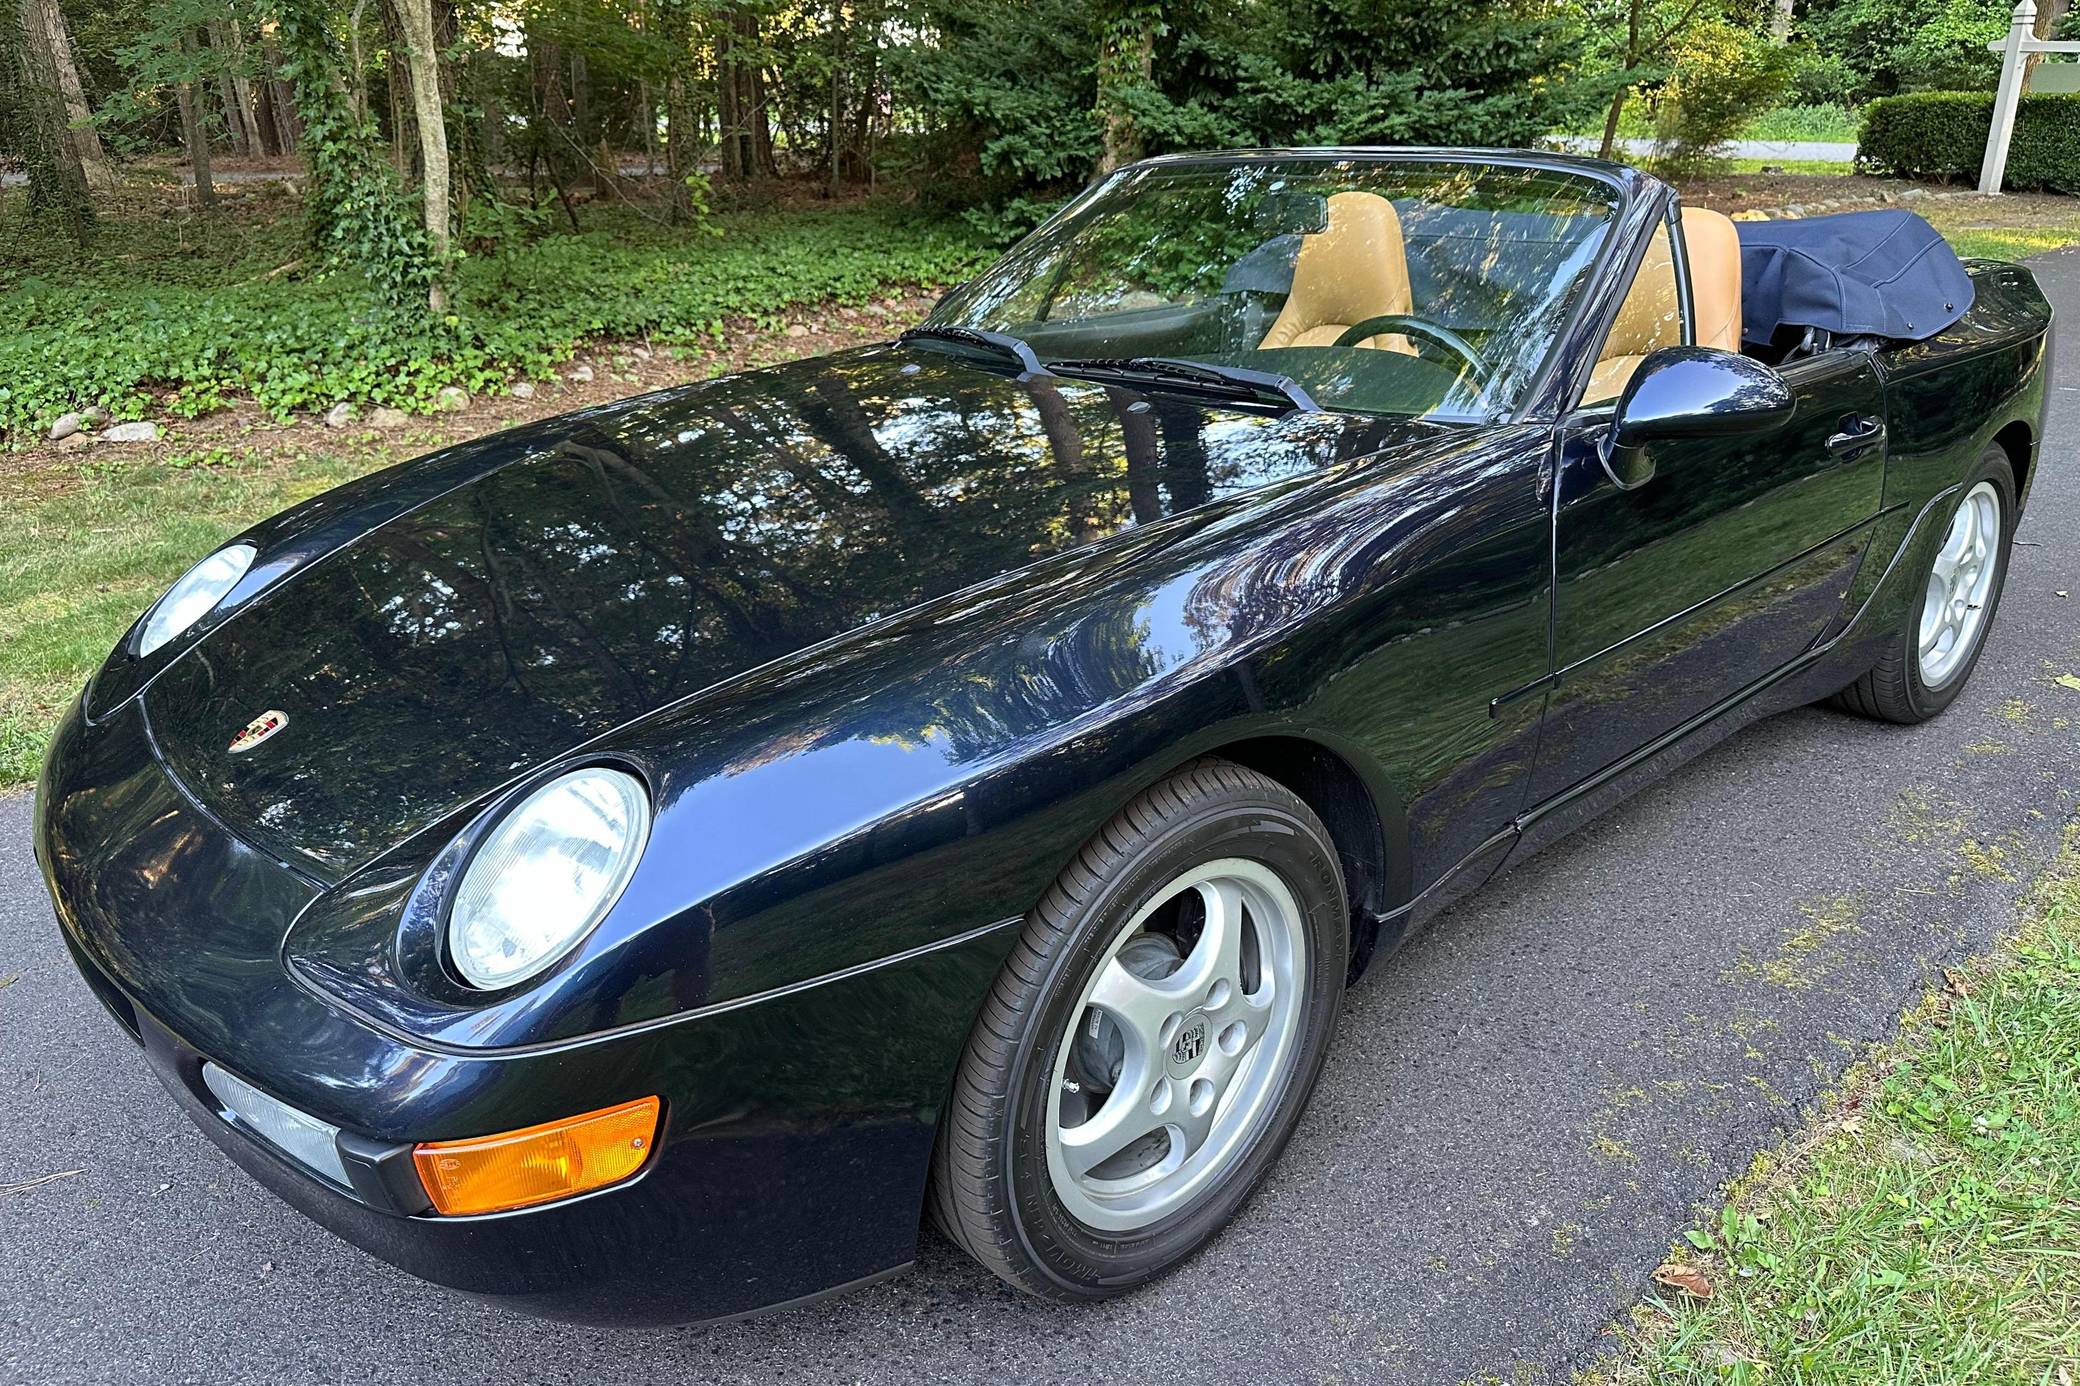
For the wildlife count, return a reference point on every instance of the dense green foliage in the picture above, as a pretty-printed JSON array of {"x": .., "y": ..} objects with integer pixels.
[
  {"x": 1723, "y": 74},
  {"x": 1942, "y": 134},
  {"x": 1009, "y": 94},
  {"x": 166, "y": 329},
  {"x": 1859, "y": 49}
]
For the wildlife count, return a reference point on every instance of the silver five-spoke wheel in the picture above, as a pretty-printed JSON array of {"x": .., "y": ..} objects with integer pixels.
[
  {"x": 1954, "y": 607},
  {"x": 1180, "y": 1040}
]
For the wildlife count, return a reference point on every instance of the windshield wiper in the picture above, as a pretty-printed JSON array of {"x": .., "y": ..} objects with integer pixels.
[
  {"x": 979, "y": 336},
  {"x": 1227, "y": 380}
]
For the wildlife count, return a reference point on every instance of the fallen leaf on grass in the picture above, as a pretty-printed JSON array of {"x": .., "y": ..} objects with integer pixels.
[
  {"x": 1689, "y": 1279},
  {"x": 41, "y": 1179},
  {"x": 1956, "y": 983}
]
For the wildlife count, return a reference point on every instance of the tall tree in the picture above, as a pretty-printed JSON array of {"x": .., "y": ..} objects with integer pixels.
[
  {"x": 415, "y": 17},
  {"x": 1127, "y": 33},
  {"x": 32, "y": 124},
  {"x": 740, "y": 97},
  {"x": 188, "y": 92},
  {"x": 356, "y": 210},
  {"x": 234, "y": 86},
  {"x": 51, "y": 65}
]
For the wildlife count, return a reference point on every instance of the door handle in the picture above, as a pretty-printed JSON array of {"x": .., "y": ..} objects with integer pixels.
[{"x": 1857, "y": 434}]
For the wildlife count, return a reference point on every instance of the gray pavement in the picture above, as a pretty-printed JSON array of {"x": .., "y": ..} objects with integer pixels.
[{"x": 1522, "y": 1108}]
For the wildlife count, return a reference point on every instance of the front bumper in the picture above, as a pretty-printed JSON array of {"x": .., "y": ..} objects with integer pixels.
[{"x": 797, "y": 1127}]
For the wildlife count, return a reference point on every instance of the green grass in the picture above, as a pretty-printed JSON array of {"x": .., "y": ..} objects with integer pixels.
[
  {"x": 76, "y": 570},
  {"x": 168, "y": 317},
  {"x": 1832, "y": 123},
  {"x": 2013, "y": 242},
  {"x": 1928, "y": 1229},
  {"x": 1823, "y": 166}
]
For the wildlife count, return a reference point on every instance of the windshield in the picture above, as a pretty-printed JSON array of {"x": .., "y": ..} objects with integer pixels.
[{"x": 1426, "y": 289}]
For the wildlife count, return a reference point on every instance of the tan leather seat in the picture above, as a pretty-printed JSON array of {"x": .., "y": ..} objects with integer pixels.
[
  {"x": 1649, "y": 319},
  {"x": 1354, "y": 268}
]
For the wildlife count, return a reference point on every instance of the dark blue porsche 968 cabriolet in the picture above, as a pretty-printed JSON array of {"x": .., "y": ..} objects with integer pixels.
[{"x": 642, "y": 865}]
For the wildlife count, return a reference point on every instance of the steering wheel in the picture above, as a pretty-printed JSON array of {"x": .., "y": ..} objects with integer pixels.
[{"x": 1409, "y": 326}]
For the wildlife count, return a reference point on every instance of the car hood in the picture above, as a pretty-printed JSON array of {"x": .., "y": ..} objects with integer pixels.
[{"x": 475, "y": 614}]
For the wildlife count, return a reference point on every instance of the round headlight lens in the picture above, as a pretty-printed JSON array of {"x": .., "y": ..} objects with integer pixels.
[
  {"x": 548, "y": 872},
  {"x": 195, "y": 595}
]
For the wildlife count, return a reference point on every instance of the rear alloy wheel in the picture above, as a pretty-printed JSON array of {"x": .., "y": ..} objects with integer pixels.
[
  {"x": 1926, "y": 666},
  {"x": 1152, "y": 1040}
]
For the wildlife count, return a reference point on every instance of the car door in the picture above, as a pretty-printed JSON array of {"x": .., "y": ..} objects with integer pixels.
[{"x": 1731, "y": 559}]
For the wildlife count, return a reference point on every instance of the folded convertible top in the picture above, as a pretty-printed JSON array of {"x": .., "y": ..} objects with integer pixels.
[{"x": 1881, "y": 274}]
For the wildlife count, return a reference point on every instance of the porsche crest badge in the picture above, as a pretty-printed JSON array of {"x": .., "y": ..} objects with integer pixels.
[{"x": 258, "y": 730}]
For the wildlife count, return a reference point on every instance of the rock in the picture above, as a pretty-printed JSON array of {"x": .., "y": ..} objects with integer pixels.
[
  {"x": 795, "y": 329},
  {"x": 94, "y": 414},
  {"x": 523, "y": 390},
  {"x": 143, "y": 431},
  {"x": 452, "y": 397},
  {"x": 65, "y": 426},
  {"x": 581, "y": 375},
  {"x": 640, "y": 353},
  {"x": 339, "y": 415},
  {"x": 386, "y": 417},
  {"x": 1913, "y": 194}
]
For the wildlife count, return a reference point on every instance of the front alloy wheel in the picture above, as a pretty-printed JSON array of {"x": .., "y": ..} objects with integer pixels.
[
  {"x": 1151, "y": 1042},
  {"x": 1188, "y": 1029}
]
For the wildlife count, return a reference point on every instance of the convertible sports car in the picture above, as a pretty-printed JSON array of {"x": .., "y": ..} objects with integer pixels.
[{"x": 641, "y": 865}]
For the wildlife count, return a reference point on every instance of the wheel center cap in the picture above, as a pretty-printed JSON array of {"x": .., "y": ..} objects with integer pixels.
[{"x": 1188, "y": 1044}]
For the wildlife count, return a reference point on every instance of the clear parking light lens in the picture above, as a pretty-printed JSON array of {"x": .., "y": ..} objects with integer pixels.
[
  {"x": 312, "y": 1143},
  {"x": 195, "y": 595},
  {"x": 548, "y": 872}
]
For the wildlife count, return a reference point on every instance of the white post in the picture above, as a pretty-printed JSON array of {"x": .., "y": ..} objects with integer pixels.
[{"x": 2021, "y": 29}]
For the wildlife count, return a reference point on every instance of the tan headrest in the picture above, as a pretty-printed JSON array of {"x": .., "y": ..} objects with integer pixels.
[
  {"x": 1649, "y": 318},
  {"x": 1714, "y": 251},
  {"x": 1355, "y": 268}
]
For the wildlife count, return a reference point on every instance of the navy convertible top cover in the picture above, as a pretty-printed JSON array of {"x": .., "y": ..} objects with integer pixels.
[{"x": 1883, "y": 274}]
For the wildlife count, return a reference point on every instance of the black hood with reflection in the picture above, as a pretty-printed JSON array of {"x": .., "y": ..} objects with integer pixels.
[{"x": 592, "y": 569}]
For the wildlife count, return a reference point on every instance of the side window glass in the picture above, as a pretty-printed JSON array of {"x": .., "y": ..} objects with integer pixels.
[{"x": 1650, "y": 318}]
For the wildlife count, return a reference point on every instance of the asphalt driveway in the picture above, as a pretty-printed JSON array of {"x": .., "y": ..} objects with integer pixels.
[{"x": 1522, "y": 1108}]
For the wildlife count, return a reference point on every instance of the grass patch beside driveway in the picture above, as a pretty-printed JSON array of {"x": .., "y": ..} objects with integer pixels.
[{"x": 1927, "y": 1229}]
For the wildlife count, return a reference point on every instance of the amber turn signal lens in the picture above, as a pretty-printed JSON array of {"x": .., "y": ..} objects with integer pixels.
[{"x": 518, "y": 1169}]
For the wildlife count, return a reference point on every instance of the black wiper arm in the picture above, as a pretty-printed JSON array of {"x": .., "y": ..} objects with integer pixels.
[
  {"x": 982, "y": 337},
  {"x": 1225, "y": 379}
]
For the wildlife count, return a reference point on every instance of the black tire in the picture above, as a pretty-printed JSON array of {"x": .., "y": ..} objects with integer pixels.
[
  {"x": 991, "y": 1191},
  {"x": 1892, "y": 690}
]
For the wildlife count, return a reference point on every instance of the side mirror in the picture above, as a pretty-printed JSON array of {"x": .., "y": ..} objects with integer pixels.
[{"x": 1691, "y": 392}]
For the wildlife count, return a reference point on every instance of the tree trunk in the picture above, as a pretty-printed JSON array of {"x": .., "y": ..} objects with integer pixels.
[
  {"x": 192, "y": 133},
  {"x": 1126, "y": 61},
  {"x": 232, "y": 91},
  {"x": 50, "y": 47},
  {"x": 1610, "y": 124},
  {"x": 32, "y": 124},
  {"x": 1632, "y": 57},
  {"x": 746, "y": 126},
  {"x": 231, "y": 41},
  {"x": 287, "y": 125},
  {"x": 678, "y": 147},
  {"x": 1780, "y": 20},
  {"x": 549, "y": 120},
  {"x": 415, "y": 17}
]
